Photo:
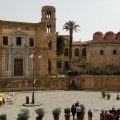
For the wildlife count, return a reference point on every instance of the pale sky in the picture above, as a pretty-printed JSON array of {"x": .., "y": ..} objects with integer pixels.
[{"x": 91, "y": 15}]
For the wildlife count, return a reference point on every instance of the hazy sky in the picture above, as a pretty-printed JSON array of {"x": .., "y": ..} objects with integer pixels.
[{"x": 91, "y": 15}]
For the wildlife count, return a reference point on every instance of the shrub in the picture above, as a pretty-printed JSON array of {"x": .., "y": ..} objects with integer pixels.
[
  {"x": 3, "y": 117},
  {"x": 72, "y": 72},
  {"x": 23, "y": 115},
  {"x": 56, "y": 112},
  {"x": 67, "y": 111},
  {"x": 82, "y": 108},
  {"x": 40, "y": 112}
]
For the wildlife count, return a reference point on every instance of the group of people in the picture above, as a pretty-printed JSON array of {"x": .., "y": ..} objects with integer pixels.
[
  {"x": 76, "y": 109},
  {"x": 112, "y": 114}
]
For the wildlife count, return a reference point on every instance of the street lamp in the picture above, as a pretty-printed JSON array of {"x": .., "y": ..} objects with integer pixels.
[{"x": 34, "y": 80}]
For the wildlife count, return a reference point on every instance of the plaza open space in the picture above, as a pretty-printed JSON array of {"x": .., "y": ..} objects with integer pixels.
[{"x": 52, "y": 99}]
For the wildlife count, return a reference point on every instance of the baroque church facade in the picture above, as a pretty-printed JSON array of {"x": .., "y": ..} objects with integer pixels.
[{"x": 20, "y": 40}]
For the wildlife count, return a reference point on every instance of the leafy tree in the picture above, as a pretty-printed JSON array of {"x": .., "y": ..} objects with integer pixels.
[
  {"x": 59, "y": 58},
  {"x": 84, "y": 63},
  {"x": 60, "y": 44},
  {"x": 70, "y": 26}
]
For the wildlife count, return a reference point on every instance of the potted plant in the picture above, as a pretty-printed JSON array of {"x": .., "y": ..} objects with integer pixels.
[
  {"x": 103, "y": 93},
  {"x": 108, "y": 95},
  {"x": 56, "y": 113},
  {"x": 3, "y": 117},
  {"x": 23, "y": 115},
  {"x": 40, "y": 112},
  {"x": 67, "y": 113},
  {"x": 82, "y": 112}
]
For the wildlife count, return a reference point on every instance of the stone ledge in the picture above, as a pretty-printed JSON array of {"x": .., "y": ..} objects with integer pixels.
[{"x": 32, "y": 105}]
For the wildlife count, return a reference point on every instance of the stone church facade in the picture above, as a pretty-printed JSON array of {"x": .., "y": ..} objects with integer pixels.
[
  {"x": 28, "y": 49},
  {"x": 20, "y": 40},
  {"x": 103, "y": 51}
]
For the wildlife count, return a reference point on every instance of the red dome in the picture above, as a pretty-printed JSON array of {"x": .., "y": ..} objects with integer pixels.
[
  {"x": 109, "y": 36},
  {"x": 98, "y": 36},
  {"x": 118, "y": 36}
]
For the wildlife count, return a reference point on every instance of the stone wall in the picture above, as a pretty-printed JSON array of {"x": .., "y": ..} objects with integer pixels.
[{"x": 61, "y": 83}]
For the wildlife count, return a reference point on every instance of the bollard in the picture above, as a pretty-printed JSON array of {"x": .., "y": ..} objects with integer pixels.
[{"x": 27, "y": 99}]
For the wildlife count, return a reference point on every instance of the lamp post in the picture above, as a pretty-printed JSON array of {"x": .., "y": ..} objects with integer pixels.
[{"x": 34, "y": 80}]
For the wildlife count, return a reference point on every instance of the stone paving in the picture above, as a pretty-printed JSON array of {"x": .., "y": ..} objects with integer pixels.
[{"x": 62, "y": 99}]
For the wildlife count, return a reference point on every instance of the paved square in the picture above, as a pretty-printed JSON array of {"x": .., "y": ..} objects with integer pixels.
[{"x": 62, "y": 99}]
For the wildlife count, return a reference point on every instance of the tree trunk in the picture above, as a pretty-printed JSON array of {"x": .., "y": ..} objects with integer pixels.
[{"x": 70, "y": 49}]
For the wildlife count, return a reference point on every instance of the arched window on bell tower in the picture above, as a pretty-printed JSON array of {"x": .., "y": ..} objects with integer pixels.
[
  {"x": 48, "y": 15},
  {"x": 48, "y": 28},
  {"x": 48, "y": 12}
]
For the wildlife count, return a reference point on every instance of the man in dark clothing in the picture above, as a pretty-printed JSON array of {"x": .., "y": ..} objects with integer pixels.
[
  {"x": 73, "y": 110},
  {"x": 90, "y": 114},
  {"x": 102, "y": 115}
]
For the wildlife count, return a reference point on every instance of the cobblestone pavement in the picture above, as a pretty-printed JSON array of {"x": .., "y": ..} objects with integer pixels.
[{"x": 62, "y": 99}]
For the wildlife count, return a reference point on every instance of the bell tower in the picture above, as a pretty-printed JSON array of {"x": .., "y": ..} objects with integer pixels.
[
  {"x": 49, "y": 19},
  {"x": 48, "y": 16}
]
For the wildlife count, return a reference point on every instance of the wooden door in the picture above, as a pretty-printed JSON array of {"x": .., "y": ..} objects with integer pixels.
[{"x": 18, "y": 67}]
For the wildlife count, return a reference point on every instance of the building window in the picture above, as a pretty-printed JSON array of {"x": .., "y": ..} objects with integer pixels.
[
  {"x": 31, "y": 42},
  {"x": 66, "y": 41},
  {"x": 66, "y": 52},
  {"x": 18, "y": 41},
  {"x": 101, "y": 52},
  {"x": 50, "y": 45},
  {"x": 114, "y": 52},
  {"x": 76, "y": 52},
  {"x": 5, "y": 40},
  {"x": 48, "y": 14},
  {"x": 58, "y": 64},
  {"x": 67, "y": 64},
  {"x": 48, "y": 28},
  {"x": 84, "y": 52}
]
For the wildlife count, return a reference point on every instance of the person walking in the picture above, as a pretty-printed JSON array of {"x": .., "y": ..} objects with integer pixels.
[
  {"x": 90, "y": 114},
  {"x": 78, "y": 111},
  {"x": 102, "y": 115},
  {"x": 73, "y": 110}
]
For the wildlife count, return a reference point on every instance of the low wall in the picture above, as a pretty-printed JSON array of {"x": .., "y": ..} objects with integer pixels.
[{"x": 61, "y": 83}]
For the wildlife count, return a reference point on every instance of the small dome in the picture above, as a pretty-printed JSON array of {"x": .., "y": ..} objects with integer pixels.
[
  {"x": 109, "y": 35},
  {"x": 118, "y": 36},
  {"x": 98, "y": 36}
]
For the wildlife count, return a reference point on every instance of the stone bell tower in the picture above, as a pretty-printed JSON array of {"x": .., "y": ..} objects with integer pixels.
[{"x": 49, "y": 18}]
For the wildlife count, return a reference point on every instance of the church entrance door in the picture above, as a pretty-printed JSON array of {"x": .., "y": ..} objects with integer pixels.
[{"x": 18, "y": 67}]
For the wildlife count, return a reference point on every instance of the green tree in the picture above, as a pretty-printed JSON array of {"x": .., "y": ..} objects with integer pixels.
[
  {"x": 70, "y": 26},
  {"x": 60, "y": 44},
  {"x": 59, "y": 58},
  {"x": 85, "y": 63}
]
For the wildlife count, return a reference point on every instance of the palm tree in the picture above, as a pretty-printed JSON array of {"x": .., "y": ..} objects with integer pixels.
[{"x": 70, "y": 26}]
